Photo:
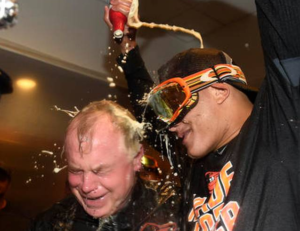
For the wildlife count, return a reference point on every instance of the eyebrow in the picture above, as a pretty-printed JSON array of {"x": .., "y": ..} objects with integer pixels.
[
  {"x": 73, "y": 167},
  {"x": 96, "y": 169}
]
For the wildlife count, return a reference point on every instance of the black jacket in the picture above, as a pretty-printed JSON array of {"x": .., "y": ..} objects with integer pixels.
[{"x": 145, "y": 209}]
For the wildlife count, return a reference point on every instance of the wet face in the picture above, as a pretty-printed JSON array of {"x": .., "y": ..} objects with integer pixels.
[
  {"x": 103, "y": 176},
  {"x": 202, "y": 128}
]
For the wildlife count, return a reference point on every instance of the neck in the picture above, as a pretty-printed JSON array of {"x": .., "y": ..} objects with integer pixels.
[
  {"x": 235, "y": 124},
  {"x": 228, "y": 138}
]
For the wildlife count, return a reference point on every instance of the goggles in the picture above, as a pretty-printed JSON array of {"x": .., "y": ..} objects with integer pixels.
[
  {"x": 149, "y": 162},
  {"x": 170, "y": 99}
]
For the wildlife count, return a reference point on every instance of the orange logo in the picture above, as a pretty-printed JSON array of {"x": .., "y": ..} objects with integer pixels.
[
  {"x": 214, "y": 214},
  {"x": 212, "y": 178}
]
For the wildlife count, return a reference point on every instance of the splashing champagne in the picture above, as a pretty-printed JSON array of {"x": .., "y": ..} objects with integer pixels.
[
  {"x": 126, "y": 11},
  {"x": 133, "y": 21}
]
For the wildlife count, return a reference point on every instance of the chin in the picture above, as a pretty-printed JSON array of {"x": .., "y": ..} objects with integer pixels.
[
  {"x": 192, "y": 156},
  {"x": 196, "y": 155},
  {"x": 96, "y": 213}
]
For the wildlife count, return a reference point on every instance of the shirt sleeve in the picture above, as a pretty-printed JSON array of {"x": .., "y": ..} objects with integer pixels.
[
  {"x": 138, "y": 79},
  {"x": 280, "y": 32},
  {"x": 278, "y": 104}
]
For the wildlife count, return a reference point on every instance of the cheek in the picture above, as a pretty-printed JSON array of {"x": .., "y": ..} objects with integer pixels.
[
  {"x": 74, "y": 180},
  {"x": 112, "y": 182},
  {"x": 120, "y": 182},
  {"x": 203, "y": 124}
]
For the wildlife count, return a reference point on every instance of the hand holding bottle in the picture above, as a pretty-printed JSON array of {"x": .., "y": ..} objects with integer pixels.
[
  {"x": 122, "y": 6},
  {"x": 118, "y": 14},
  {"x": 127, "y": 41}
]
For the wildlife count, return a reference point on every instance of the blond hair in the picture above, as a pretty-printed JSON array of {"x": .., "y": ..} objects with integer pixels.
[{"x": 123, "y": 120}]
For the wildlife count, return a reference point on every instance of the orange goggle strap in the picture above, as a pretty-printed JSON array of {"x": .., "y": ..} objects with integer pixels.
[
  {"x": 219, "y": 73},
  {"x": 203, "y": 79}
]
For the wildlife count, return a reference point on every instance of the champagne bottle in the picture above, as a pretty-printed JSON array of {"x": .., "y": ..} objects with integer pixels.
[{"x": 119, "y": 21}]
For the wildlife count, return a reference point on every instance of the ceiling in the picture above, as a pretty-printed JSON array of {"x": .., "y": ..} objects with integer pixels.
[
  {"x": 67, "y": 49},
  {"x": 72, "y": 34}
]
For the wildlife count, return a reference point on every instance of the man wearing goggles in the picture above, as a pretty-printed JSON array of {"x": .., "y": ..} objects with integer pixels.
[
  {"x": 206, "y": 109},
  {"x": 246, "y": 156},
  {"x": 172, "y": 99}
]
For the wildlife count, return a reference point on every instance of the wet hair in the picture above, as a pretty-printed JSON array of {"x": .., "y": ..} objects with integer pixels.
[{"x": 85, "y": 121}]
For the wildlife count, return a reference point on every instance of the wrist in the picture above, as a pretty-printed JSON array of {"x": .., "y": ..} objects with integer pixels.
[{"x": 127, "y": 46}]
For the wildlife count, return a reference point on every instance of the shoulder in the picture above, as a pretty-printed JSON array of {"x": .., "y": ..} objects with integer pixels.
[{"x": 57, "y": 214}]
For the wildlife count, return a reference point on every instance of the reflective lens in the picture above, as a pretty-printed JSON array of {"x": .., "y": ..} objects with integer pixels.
[
  {"x": 149, "y": 162},
  {"x": 167, "y": 100}
]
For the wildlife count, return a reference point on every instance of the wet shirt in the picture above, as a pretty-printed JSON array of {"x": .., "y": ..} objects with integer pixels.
[
  {"x": 143, "y": 212},
  {"x": 253, "y": 183}
]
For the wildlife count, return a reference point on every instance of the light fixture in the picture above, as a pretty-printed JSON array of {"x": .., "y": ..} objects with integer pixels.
[{"x": 26, "y": 84}]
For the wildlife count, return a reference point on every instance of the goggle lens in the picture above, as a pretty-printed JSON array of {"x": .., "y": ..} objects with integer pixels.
[{"x": 167, "y": 100}]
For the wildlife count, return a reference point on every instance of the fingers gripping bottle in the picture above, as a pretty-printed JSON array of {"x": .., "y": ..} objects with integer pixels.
[{"x": 119, "y": 21}]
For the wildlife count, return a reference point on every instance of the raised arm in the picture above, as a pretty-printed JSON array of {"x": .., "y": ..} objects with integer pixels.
[
  {"x": 280, "y": 32},
  {"x": 140, "y": 83},
  {"x": 138, "y": 79}
]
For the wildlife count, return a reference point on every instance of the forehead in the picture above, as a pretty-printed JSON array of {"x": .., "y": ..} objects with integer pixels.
[{"x": 105, "y": 140}]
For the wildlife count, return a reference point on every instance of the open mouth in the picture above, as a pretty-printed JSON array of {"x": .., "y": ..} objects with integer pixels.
[{"x": 93, "y": 199}]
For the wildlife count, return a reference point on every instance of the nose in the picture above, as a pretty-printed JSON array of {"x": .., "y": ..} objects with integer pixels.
[
  {"x": 89, "y": 183},
  {"x": 173, "y": 128},
  {"x": 178, "y": 128}
]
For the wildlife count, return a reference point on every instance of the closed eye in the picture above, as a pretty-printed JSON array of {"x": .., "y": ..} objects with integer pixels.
[
  {"x": 75, "y": 171},
  {"x": 101, "y": 171}
]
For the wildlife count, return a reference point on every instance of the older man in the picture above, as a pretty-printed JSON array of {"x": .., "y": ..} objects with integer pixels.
[
  {"x": 246, "y": 175},
  {"x": 103, "y": 151}
]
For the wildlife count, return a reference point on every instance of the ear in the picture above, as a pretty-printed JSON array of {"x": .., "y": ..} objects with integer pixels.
[
  {"x": 137, "y": 160},
  {"x": 221, "y": 92}
]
